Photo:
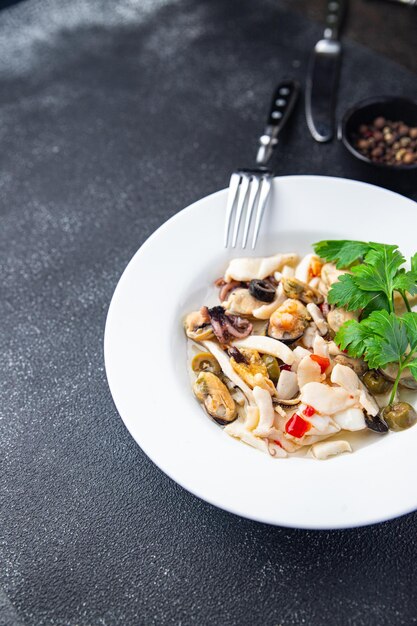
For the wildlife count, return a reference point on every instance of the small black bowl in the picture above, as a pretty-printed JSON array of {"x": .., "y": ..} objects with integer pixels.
[{"x": 394, "y": 109}]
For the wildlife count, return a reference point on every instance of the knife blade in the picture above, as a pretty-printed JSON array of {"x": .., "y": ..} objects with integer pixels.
[{"x": 323, "y": 75}]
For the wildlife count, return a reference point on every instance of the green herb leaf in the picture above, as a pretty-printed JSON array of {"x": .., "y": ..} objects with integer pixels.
[
  {"x": 382, "y": 338},
  {"x": 387, "y": 340},
  {"x": 379, "y": 271},
  {"x": 371, "y": 285},
  {"x": 412, "y": 366},
  {"x": 351, "y": 337},
  {"x": 345, "y": 293},
  {"x": 406, "y": 281},
  {"x": 410, "y": 322},
  {"x": 345, "y": 252},
  {"x": 342, "y": 252}
]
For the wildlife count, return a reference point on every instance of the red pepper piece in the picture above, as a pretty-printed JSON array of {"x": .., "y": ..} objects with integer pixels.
[
  {"x": 309, "y": 411},
  {"x": 297, "y": 426},
  {"x": 285, "y": 367},
  {"x": 323, "y": 361}
]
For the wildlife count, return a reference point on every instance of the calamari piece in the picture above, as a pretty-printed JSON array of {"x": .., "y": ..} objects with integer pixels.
[
  {"x": 309, "y": 335},
  {"x": 258, "y": 268},
  {"x": 334, "y": 350},
  {"x": 267, "y": 345},
  {"x": 266, "y": 383},
  {"x": 309, "y": 371},
  {"x": 266, "y": 412},
  {"x": 322, "y": 425},
  {"x": 318, "y": 318},
  {"x": 351, "y": 419},
  {"x": 299, "y": 353},
  {"x": 251, "y": 417},
  {"x": 320, "y": 347},
  {"x": 265, "y": 311},
  {"x": 278, "y": 437},
  {"x": 348, "y": 380},
  {"x": 325, "y": 449},
  {"x": 237, "y": 429},
  {"x": 287, "y": 385},
  {"x": 345, "y": 377},
  {"x": 309, "y": 440},
  {"x": 327, "y": 400},
  {"x": 288, "y": 271},
  {"x": 308, "y": 267},
  {"x": 228, "y": 370}
]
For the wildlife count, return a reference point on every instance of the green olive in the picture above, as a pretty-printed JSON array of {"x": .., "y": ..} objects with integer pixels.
[
  {"x": 399, "y": 416},
  {"x": 272, "y": 367},
  {"x": 205, "y": 362},
  {"x": 375, "y": 382}
]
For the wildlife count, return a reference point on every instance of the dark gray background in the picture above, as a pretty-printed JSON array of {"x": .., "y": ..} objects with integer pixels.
[{"x": 114, "y": 116}]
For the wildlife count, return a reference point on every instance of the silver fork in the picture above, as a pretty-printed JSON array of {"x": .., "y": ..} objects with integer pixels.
[{"x": 249, "y": 188}]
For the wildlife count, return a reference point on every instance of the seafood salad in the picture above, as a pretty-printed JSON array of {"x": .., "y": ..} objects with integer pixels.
[{"x": 300, "y": 352}]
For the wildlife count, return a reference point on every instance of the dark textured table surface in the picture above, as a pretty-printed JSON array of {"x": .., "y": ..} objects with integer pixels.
[{"x": 114, "y": 116}]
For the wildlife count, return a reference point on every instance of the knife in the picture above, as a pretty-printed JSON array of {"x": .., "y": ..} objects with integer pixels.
[{"x": 323, "y": 75}]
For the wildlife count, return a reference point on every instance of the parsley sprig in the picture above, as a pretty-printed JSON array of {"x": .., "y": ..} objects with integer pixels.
[
  {"x": 381, "y": 339},
  {"x": 376, "y": 273}
]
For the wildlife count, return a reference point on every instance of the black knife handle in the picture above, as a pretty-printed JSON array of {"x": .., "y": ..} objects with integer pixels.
[
  {"x": 336, "y": 11},
  {"x": 282, "y": 105},
  {"x": 283, "y": 102}
]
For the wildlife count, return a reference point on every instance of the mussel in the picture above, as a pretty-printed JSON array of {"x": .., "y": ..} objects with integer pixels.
[
  {"x": 248, "y": 368},
  {"x": 241, "y": 302},
  {"x": 197, "y": 326},
  {"x": 357, "y": 365},
  {"x": 289, "y": 322},
  {"x": 296, "y": 289},
  {"x": 214, "y": 394},
  {"x": 406, "y": 380}
]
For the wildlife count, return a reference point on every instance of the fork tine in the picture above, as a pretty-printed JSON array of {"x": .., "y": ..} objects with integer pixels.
[
  {"x": 254, "y": 188},
  {"x": 231, "y": 198},
  {"x": 263, "y": 197},
  {"x": 243, "y": 192}
]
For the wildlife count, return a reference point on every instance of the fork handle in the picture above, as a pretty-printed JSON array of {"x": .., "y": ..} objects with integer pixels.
[
  {"x": 336, "y": 11},
  {"x": 283, "y": 103}
]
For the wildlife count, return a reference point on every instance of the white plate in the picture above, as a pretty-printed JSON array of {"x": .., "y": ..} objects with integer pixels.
[{"x": 145, "y": 355}]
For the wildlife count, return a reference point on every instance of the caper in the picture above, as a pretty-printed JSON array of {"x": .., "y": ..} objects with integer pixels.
[
  {"x": 375, "y": 382},
  {"x": 272, "y": 366},
  {"x": 205, "y": 362},
  {"x": 399, "y": 416}
]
